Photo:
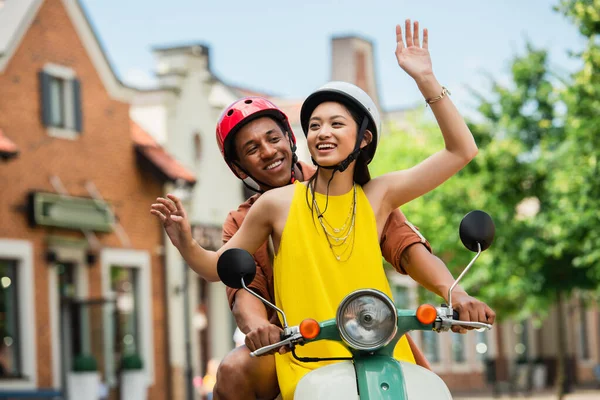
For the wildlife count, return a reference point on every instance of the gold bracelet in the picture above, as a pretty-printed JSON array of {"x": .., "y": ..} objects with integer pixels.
[{"x": 438, "y": 98}]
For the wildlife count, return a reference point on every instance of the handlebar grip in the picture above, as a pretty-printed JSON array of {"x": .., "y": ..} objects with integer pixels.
[{"x": 454, "y": 314}]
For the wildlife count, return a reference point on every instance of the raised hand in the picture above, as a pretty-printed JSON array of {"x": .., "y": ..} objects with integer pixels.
[
  {"x": 412, "y": 57},
  {"x": 171, "y": 213}
]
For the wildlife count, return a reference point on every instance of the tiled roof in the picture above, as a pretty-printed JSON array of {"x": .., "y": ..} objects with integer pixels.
[
  {"x": 148, "y": 148},
  {"x": 7, "y": 148}
]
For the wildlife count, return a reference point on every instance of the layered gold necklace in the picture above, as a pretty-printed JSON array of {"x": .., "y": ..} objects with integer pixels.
[{"x": 341, "y": 239}]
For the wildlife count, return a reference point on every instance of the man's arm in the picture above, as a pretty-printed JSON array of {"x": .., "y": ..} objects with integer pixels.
[
  {"x": 252, "y": 316},
  {"x": 409, "y": 252},
  {"x": 428, "y": 270}
]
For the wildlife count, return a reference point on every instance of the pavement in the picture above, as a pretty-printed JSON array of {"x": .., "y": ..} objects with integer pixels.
[{"x": 546, "y": 395}]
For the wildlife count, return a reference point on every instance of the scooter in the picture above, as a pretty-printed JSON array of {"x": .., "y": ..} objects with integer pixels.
[{"x": 369, "y": 325}]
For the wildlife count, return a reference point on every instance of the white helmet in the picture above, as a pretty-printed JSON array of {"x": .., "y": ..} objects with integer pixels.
[{"x": 349, "y": 95}]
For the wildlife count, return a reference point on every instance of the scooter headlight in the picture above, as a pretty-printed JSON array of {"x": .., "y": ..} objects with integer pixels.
[{"x": 367, "y": 320}]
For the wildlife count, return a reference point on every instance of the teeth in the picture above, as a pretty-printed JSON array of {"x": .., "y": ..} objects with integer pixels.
[
  {"x": 275, "y": 164},
  {"x": 325, "y": 146}
]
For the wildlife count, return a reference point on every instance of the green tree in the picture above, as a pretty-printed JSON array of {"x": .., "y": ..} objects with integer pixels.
[
  {"x": 578, "y": 197},
  {"x": 536, "y": 174},
  {"x": 518, "y": 120}
]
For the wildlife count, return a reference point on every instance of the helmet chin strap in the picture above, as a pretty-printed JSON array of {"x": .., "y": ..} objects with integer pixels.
[{"x": 342, "y": 166}]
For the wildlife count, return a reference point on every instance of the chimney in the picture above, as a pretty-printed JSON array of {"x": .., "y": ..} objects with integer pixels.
[
  {"x": 174, "y": 63},
  {"x": 352, "y": 60}
]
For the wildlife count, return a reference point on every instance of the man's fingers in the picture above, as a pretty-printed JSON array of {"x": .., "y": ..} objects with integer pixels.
[
  {"x": 161, "y": 208},
  {"x": 250, "y": 343},
  {"x": 490, "y": 315},
  {"x": 274, "y": 336},
  {"x": 176, "y": 201},
  {"x": 167, "y": 203},
  {"x": 481, "y": 314},
  {"x": 159, "y": 215},
  {"x": 464, "y": 314}
]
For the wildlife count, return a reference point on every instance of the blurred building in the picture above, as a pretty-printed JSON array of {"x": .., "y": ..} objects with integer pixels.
[
  {"x": 181, "y": 112},
  {"x": 82, "y": 267}
]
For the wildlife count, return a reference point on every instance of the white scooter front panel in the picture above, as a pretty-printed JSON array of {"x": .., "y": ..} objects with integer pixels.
[
  {"x": 421, "y": 383},
  {"x": 332, "y": 382},
  {"x": 338, "y": 382}
]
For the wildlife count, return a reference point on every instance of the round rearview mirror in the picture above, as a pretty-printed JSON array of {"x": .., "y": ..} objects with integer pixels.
[
  {"x": 477, "y": 227},
  {"x": 235, "y": 264}
]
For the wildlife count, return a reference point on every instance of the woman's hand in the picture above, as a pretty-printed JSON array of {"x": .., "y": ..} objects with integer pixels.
[{"x": 413, "y": 58}]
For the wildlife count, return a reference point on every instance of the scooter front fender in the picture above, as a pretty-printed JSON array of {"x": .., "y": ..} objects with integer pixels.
[
  {"x": 332, "y": 382},
  {"x": 378, "y": 377},
  {"x": 383, "y": 378}
]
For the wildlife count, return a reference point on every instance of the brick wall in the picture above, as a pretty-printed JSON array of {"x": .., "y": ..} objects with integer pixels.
[{"x": 103, "y": 154}]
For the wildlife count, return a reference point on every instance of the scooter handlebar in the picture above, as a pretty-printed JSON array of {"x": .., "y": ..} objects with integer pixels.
[
  {"x": 445, "y": 323},
  {"x": 264, "y": 350}
]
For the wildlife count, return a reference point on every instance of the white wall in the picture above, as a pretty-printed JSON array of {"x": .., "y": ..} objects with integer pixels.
[
  {"x": 217, "y": 190},
  {"x": 173, "y": 118}
]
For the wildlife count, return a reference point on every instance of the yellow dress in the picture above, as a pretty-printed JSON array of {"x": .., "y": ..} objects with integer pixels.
[{"x": 310, "y": 282}]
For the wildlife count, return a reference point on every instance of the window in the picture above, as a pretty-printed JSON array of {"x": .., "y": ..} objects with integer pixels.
[
  {"x": 10, "y": 338},
  {"x": 128, "y": 323},
  {"x": 401, "y": 296},
  {"x": 522, "y": 347},
  {"x": 125, "y": 285},
  {"x": 17, "y": 315},
  {"x": 430, "y": 346},
  {"x": 57, "y": 102},
  {"x": 583, "y": 337},
  {"x": 482, "y": 347},
  {"x": 458, "y": 347},
  {"x": 60, "y": 101}
]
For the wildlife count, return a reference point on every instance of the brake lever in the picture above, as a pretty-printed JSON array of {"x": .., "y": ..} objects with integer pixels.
[
  {"x": 472, "y": 324},
  {"x": 295, "y": 338},
  {"x": 448, "y": 318}
]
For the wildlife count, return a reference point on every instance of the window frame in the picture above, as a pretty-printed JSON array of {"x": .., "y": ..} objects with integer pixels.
[
  {"x": 135, "y": 259},
  {"x": 71, "y": 125}
]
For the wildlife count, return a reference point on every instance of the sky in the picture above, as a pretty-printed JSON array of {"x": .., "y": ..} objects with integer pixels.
[{"x": 283, "y": 47}]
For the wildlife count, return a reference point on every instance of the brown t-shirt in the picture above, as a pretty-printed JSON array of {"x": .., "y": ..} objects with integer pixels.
[{"x": 398, "y": 234}]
